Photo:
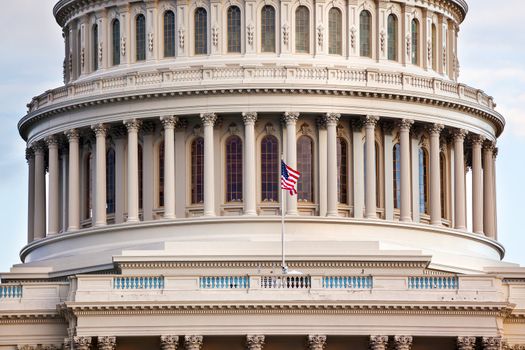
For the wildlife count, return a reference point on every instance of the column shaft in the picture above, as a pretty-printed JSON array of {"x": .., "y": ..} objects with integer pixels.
[
  {"x": 358, "y": 170},
  {"x": 370, "y": 167},
  {"x": 208, "y": 121},
  {"x": 54, "y": 189},
  {"x": 290, "y": 118},
  {"x": 74, "y": 182},
  {"x": 405, "y": 189},
  {"x": 120, "y": 173},
  {"x": 435, "y": 178},
  {"x": 331, "y": 128},
  {"x": 100, "y": 176},
  {"x": 30, "y": 156},
  {"x": 40, "y": 192},
  {"x": 477, "y": 186},
  {"x": 488, "y": 196},
  {"x": 133, "y": 127},
  {"x": 250, "y": 190},
  {"x": 169, "y": 166},
  {"x": 459, "y": 180}
]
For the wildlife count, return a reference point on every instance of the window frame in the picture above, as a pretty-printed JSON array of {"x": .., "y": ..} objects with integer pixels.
[
  {"x": 140, "y": 38},
  {"x": 115, "y": 42},
  {"x": 236, "y": 23},
  {"x": 365, "y": 50},
  {"x": 169, "y": 34},
  {"x": 265, "y": 32},
  {"x": 302, "y": 29},
  {"x": 267, "y": 171},
  {"x": 392, "y": 37},
  {"x": 200, "y": 35},
  {"x": 335, "y": 32},
  {"x": 308, "y": 173}
]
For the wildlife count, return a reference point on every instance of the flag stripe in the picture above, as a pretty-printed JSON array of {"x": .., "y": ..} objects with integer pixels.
[{"x": 289, "y": 178}]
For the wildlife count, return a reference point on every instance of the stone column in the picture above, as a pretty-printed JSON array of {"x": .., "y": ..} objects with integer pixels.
[
  {"x": 100, "y": 175},
  {"x": 30, "y": 157},
  {"x": 169, "y": 166},
  {"x": 358, "y": 169},
  {"x": 193, "y": 342},
  {"x": 290, "y": 119},
  {"x": 378, "y": 342},
  {"x": 40, "y": 191},
  {"x": 477, "y": 185},
  {"x": 133, "y": 127},
  {"x": 54, "y": 187},
  {"x": 488, "y": 195},
  {"x": 322, "y": 163},
  {"x": 459, "y": 180},
  {"x": 402, "y": 342},
  {"x": 404, "y": 144},
  {"x": 74, "y": 181},
  {"x": 208, "y": 121},
  {"x": 466, "y": 343},
  {"x": 370, "y": 156},
  {"x": 250, "y": 190},
  {"x": 169, "y": 342},
  {"x": 316, "y": 342},
  {"x": 491, "y": 343},
  {"x": 435, "y": 178},
  {"x": 120, "y": 172},
  {"x": 107, "y": 343},
  {"x": 494, "y": 191},
  {"x": 331, "y": 128},
  {"x": 254, "y": 342},
  {"x": 81, "y": 343},
  {"x": 389, "y": 171}
]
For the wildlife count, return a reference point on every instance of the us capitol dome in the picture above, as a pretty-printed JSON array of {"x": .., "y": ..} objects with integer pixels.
[{"x": 154, "y": 200}]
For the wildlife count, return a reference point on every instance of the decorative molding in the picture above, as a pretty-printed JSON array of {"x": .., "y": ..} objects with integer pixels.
[
  {"x": 491, "y": 343},
  {"x": 269, "y": 129},
  {"x": 132, "y": 125},
  {"x": 169, "y": 122},
  {"x": 459, "y": 134},
  {"x": 215, "y": 35},
  {"x": 107, "y": 343},
  {"x": 250, "y": 29},
  {"x": 123, "y": 46},
  {"x": 320, "y": 36},
  {"x": 100, "y": 51},
  {"x": 332, "y": 118},
  {"x": 466, "y": 343},
  {"x": 316, "y": 342},
  {"x": 150, "y": 41},
  {"x": 382, "y": 40},
  {"x": 254, "y": 342},
  {"x": 233, "y": 129},
  {"x": 100, "y": 130},
  {"x": 249, "y": 117},
  {"x": 181, "y": 37},
  {"x": 286, "y": 33},
  {"x": 435, "y": 128},
  {"x": 305, "y": 129},
  {"x": 402, "y": 342},
  {"x": 378, "y": 342},
  {"x": 82, "y": 343},
  {"x": 169, "y": 342},
  {"x": 193, "y": 342},
  {"x": 208, "y": 119},
  {"x": 290, "y": 118},
  {"x": 352, "y": 37},
  {"x": 371, "y": 121}
]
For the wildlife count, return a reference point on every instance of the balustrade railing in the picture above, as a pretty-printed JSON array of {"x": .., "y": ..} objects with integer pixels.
[
  {"x": 286, "y": 282},
  {"x": 10, "y": 291},
  {"x": 138, "y": 282},
  {"x": 224, "y": 282},
  {"x": 433, "y": 282},
  {"x": 348, "y": 282}
]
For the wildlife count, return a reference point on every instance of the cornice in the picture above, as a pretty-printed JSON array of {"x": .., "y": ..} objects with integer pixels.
[
  {"x": 30, "y": 317},
  {"x": 149, "y": 308}
]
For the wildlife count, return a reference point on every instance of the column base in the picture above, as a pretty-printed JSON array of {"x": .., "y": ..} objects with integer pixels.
[
  {"x": 100, "y": 224},
  {"x": 132, "y": 220},
  {"x": 211, "y": 214},
  {"x": 169, "y": 217},
  {"x": 250, "y": 213}
]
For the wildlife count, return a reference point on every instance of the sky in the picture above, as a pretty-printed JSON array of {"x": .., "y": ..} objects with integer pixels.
[{"x": 492, "y": 58}]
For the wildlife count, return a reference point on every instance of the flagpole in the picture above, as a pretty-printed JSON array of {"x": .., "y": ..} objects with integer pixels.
[{"x": 283, "y": 197}]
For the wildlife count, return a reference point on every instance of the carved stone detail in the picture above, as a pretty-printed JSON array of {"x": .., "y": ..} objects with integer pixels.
[
  {"x": 332, "y": 118},
  {"x": 249, "y": 117},
  {"x": 491, "y": 343},
  {"x": 290, "y": 118},
  {"x": 181, "y": 37},
  {"x": 477, "y": 139},
  {"x": 250, "y": 33},
  {"x": 435, "y": 128},
  {"x": 378, "y": 342},
  {"x": 286, "y": 33},
  {"x": 100, "y": 51},
  {"x": 100, "y": 129},
  {"x": 169, "y": 122},
  {"x": 132, "y": 125},
  {"x": 150, "y": 42},
  {"x": 316, "y": 342},
  {"x": 82, "y": 57},
  {"x": 459, "y": 134},
  {"x": 406, "y": 124},
  {"x": 466, "y": 343},
  {"x": 169, "y": 342},
  {"x": 193, "y": 342},
  {"x": 107, "y": 343},
  {"x": 254, "y": 342},
  {"x": 123, "y": 46},
  {"x": 305, "y": 129},
  {"x": 82, "y": 343},
  {"x": 215, "y": 35},
  {"x": 371, "y": 120},
  {"x": 72, "y": 135},
  {"x": 208, "y": 118},
  {"x": 320, "y": 35},
  {"x": 352, "y": 37},
  {"x": 402, "y": 342},
  {"x": 382, "y": 39}
]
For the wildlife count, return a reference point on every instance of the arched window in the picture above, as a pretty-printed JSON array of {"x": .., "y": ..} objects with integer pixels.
[
  {"x": 110, "y": 181},
  {"x": 268, "y": 29},
  {"x": 415, "y": 41},
  {"x": 396, "y": 163},
  {"x": 161, "y": 174},
  {"x": 115, "y": 43},
  {"x": 234, "y": 29},
  {"x": 423, "y": 181},
  {"x": 342, "y": 170},
  {"x": 305, "y": 155},
  {"x": 169, "y": 34},
  {"x": 140, "y": 37},
  {"x": 197, "y": 171},
  {"x": 392, "y": 37},
  {"x": 434, "y": 47},
  {"x": 335, "y": 31},
  {"x": 141, "y": 176},
  {"x": 365, "y": 37},
  {"x": 234, "y": 169},
  {"x": 201, "y": 31},
  {"x": 79, "y": 52},
  {"x": 302, "y": 29},
  {"x": 269, "y": 169},
  {"x": 94, "y": 56},
  {"x": 443, "y": 182}
]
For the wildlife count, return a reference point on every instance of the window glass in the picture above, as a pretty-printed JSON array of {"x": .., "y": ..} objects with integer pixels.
[
  {"x": 197, "y": 171},
  {"x": 305, "y": 184},
  {"x": 110, "y": 181},
  {"x": 234, "y": 169},
  {"x": 423, "y": 181},
  {"x": 201, "y": 31},
  {"x": 302, "y": 29},
  {"x": 392, "y": 37},
  {"x": 268, "y": 29},
  {"x": 94, "y": 56},
  {"x": 269, "y": 169},
  {"x": 342, "y": 170},
  {"x": 115, "y": 45},
  {"x": 234, "y": 29},
  {"x": 140, "y": 37},
  {"x": 415, "y": 41},
  {"x": 396, "y": 163},
  {"x": 335, "y": 32},
  {"x": 169, "y": 34},
  {"x": 365, "y": 25}
]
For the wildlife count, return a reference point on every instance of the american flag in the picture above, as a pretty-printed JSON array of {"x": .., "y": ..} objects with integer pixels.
[{"x": 289, "y": 178}]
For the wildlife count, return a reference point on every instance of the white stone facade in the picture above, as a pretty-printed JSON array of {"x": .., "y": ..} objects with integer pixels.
[{"x": 160, "y": 226}]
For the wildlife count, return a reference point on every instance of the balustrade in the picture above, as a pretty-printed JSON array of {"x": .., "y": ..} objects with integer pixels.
[{"x": 142, "y": 282}]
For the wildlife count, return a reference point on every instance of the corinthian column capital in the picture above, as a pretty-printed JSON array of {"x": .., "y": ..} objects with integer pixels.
[
  {"x": 405, "y": 124},
  {"x": 51, "y": 141},
  {"x": 466, "y": 343},
  {"x": 208, "y": 119},
  {"x": 378, "y": 342},
  {"x": 435, "y": 129},
  {"x": 193, "y": 342},
  {"x": 489, "y": 146},
  {"x": 169, "y": 342},
  {"x": 249, "y": 117},
  {"x": 402, "y": 342},
  {"x": 371, "y": 121},
  {"x": 72, "y": 135},
  {"x": 459, "y": 134},
  {"x": 332, "y": 118},
  {"x": 290, "y": 118},
  {"x": 107, "y": 343},
  {"x": 491, "y": 343},
  {"x": 477, "y": 140},
  {"x": 100, "y": 130},
  {"x": 82, "y": 343},
  {"x": 169, "y": 122},
  {"x": 254, "y": 341},
  {"x": 316, "y": 342},
  {"x": 133, "y": 125}
]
